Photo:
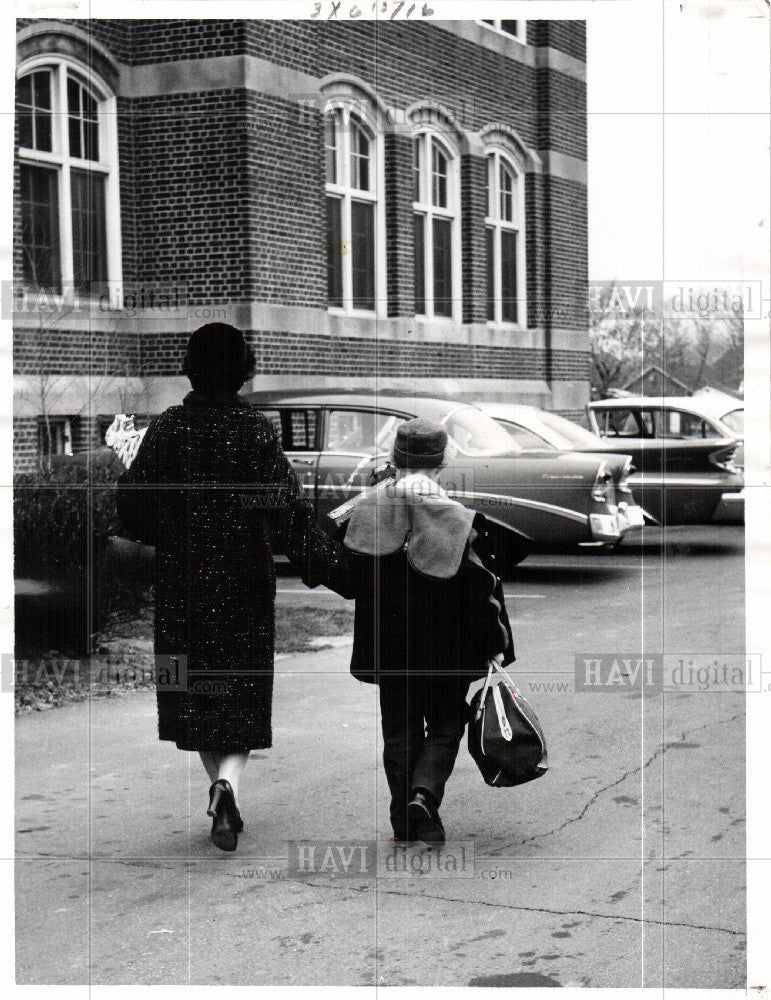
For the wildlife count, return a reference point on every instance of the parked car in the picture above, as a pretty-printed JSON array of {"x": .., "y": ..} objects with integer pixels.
[
  {"x": 535, "y": 429},
  {"x": 339, "y": 443},
  {"x": 681, "y": 481},
  {"x": 688, "y": 451}
]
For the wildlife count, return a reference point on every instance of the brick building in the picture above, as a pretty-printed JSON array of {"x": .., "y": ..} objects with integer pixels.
[{"x": 380, "y": 203}]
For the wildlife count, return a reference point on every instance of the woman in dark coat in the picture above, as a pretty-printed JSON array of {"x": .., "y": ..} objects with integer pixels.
[
  {"x": 430, "y": 615},
  {"x": 211, "y": 489}
]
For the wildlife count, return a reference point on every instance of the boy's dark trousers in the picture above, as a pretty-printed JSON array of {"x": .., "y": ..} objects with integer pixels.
[{"x": 424, "y": 718}]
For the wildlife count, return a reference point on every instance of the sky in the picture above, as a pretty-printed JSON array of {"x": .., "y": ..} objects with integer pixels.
[{"x": 678, "y": 137}]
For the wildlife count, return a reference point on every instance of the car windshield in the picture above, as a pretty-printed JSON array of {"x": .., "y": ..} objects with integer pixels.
[
  {"x": 478, "y": 435},
  {"x": 734, "y": 421},
  {"x": 572, "y": 434}
]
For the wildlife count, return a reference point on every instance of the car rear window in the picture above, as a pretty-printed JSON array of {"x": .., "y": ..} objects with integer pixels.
[{"x": 734, "y": 421}]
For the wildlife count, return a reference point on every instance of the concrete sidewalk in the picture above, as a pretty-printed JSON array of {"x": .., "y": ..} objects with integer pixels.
[{"x": 622, "y": 867}]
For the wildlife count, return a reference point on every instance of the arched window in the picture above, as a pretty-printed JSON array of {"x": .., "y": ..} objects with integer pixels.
[
  {"x": 505, "y": 235},
  {"x": 436, "y": 223},
  {"x": 70, "y": 215},
  {"x": 354, "y": 224}
]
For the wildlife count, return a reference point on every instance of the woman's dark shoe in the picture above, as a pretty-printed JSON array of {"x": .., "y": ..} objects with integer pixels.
[
  {"x": 423, "y": 818},
  {"x": 222, "y": 806}
]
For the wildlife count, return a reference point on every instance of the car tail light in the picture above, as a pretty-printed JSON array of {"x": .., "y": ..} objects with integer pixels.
[
  {"x": 723, "y": 458},
  {"x": 602, "y": 491},
  {"x": 623, "y": 482}
]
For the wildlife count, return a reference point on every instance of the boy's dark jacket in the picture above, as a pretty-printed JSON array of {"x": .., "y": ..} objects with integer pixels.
[{"x": 422, "y": 571}]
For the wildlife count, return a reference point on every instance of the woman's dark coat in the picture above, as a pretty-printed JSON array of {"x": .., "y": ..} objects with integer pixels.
[
  {"x": 207, "y": 484},
  {"x": 410, "y": 622}
]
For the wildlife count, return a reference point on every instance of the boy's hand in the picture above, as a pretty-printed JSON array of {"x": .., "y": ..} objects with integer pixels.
[{"x": 498, "y": 658}]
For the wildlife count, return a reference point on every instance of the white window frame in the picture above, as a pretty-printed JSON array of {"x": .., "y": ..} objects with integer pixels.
[
  {"x": 106, "y": 166},
  {"x": 64, "y": 424},
  {"x": 343, "y": 190},
  {"x": 521, "y": 35},
  {"x": 495, "y": 156},
  {"x": 423, "y": 206}
]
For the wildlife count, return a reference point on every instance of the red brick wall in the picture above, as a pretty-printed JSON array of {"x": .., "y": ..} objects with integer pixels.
[
  {"x": 411, "y": 62},
  {"x": 474, "y": 251},
  {"x": 283, "y": 211},
  {"x": 561, "y": 113},
  {"x": 566, "y": 274},
  {"x": 76, "y": 352},
  {"x": 25, "y": 444},
  {"x": 537, "y": 251},
  {"x": 284, "y": 353},
  {"x": 566, "y": 36},
  {"x": 192, "y": 193},
  {"x": 400, "y": 243},
  {"x": 140, "y": 41},
  {"x": 167, "y": 40}
]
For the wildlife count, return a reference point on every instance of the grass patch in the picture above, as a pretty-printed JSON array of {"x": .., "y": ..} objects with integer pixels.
[
  {"x": 296, "y": 627},
  {"x": 123, "y": 659}
]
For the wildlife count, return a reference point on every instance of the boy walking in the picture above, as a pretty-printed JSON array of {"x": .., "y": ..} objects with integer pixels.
[{"x": 429, "y": 615}]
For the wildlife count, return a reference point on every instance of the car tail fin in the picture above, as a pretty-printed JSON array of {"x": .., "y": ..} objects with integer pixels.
[{"x": 723, "y": 458}]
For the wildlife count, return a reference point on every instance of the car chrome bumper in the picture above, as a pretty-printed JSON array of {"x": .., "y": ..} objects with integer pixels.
[
  {"x": 630, "y": 516},
  {"x": 733, "y": 498},
  {"x": 605, "y": 527},
  {"x": 612, "y": 526}
]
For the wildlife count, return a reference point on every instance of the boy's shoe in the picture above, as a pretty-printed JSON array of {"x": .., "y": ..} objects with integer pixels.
[
  {"x": 401, "y": 828},
  {"x": 423, "y": 818}
]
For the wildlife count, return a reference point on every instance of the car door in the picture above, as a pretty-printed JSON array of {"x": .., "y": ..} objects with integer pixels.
[
  {"x": 630, "y": 427},
  {"x": 355, "y": 441}
]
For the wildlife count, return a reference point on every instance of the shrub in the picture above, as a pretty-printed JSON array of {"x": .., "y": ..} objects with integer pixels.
[
  {"x": 53, "y": 511},
  {"x": 62, "y": 519}
]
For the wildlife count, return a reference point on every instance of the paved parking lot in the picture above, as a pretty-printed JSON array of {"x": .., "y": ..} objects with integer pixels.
[{"x": 623, "y": 867}]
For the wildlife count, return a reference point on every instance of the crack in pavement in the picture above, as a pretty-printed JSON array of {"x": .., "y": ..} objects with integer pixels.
[
  {"x": 613, "y": 784},
  {"x": 139, "y": 863},
  {"x": 530, "y": 909}
]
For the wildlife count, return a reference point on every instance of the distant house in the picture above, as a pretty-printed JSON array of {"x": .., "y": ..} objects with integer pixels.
[{"x": 655, "y": 381}]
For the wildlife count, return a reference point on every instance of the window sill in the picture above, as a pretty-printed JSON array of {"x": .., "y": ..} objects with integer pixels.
[
  {"x": 506, "y": 326},
  {"x": 355, "y": 313}
]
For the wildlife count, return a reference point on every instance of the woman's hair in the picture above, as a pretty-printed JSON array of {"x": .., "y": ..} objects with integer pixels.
[{"x": 218, "y": 359}]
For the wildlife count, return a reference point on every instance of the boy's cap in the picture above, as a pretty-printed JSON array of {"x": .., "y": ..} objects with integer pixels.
[{"x": 419, "y": 444}]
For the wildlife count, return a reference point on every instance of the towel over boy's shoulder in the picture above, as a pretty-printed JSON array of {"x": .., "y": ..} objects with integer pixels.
[{"x": 427, "y": 597}]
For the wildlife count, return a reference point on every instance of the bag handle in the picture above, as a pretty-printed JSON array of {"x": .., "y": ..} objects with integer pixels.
[
  {"x": 504, "y": 676},
  {"x": 483, "y": 692}
]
